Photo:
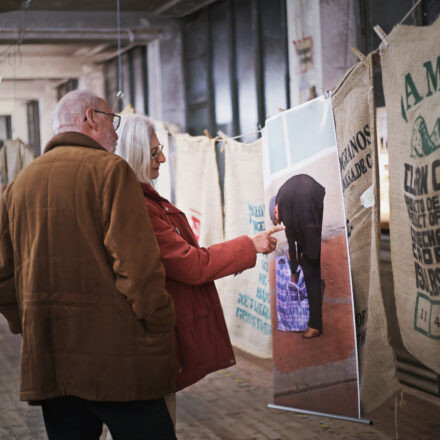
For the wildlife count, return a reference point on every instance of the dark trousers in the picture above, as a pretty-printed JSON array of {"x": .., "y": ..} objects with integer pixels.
[
  {"x": 312, "y": 278},
  {"x": 72, "y": 418}
]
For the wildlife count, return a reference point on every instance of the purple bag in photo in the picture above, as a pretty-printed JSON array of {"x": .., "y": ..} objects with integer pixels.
[{"x": 292, "y": 302}]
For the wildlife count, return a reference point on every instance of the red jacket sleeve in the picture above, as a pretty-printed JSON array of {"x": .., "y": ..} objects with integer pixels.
[{"x": 192, "y": 265}]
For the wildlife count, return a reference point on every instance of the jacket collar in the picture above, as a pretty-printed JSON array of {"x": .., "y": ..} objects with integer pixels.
[
  {"x": 74, "y": 139},
  {"x": 150, "y": 192}
]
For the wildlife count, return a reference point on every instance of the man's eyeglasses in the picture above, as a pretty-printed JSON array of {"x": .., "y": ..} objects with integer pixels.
[
  {"x": 116, "y": 118},
  {"x": 156, "y": 152}
]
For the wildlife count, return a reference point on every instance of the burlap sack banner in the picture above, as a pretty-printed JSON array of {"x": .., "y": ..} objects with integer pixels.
[
  {"x": 411, "y": 77},
  {"x": 197, "y": 187},
  {"x": 14, "y": 156},
  {"x": 245, "y": 297},
  {"x": 353, "y": 110}
]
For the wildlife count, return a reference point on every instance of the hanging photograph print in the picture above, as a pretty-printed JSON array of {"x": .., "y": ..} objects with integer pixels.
[{"x": 313, "y": 336}]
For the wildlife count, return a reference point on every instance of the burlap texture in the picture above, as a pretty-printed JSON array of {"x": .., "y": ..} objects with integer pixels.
[
  {"x": 245, "y": 297},
  {"x": 354, "y": 115},
  {"x": 197, "y": 187},
  {"x": 411, "y": 78},
  {"x": 14, "y": 156}
]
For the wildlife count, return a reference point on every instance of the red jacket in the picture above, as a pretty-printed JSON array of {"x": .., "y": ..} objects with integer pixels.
[{"x": 202, "y": 339}]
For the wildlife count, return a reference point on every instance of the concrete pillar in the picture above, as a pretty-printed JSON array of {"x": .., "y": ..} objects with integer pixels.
[
  {"x": 155, "y": 81},
  {"x": 321, "y": 34},
  {"x": 165, "y": 77},
  {"x": 13, "y": 102},
  {"x": 17, "y": 109},
  {"x": 47, "y": 102},
  {"x": 304, "y": 46},
  {"x": 338, "y": 36},
  {"x": 92, "y": 78}
]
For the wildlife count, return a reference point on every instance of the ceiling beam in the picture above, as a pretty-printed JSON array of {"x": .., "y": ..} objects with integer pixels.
[
  {"x": 168, "y": 5},
  {"x": 199, "y": 6},
  {"x": 65, "y": 20},
  {"x": 42, "y": 67},
  {"x": 75, "y": 26},
  {"x": 50, "y": 35},
  {"x": 183, "y": 7}
]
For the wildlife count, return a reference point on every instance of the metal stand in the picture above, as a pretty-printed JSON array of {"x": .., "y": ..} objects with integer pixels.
[{"x": 314, "y": 413}]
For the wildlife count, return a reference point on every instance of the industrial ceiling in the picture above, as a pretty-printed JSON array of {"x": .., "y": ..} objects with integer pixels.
[{"x": 160, "y": 8}]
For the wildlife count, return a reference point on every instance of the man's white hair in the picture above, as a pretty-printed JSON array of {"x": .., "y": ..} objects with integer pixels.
[
  {"x": 70, "y": 111},
  {"x": 134, "y": 144}
]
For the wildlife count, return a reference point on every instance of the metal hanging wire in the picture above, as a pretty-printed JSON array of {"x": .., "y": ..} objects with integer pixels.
[
  {"x": 12, "y": 53},
  {"x": 13, "y": 56},
  {"x": 120, "y": 93}
]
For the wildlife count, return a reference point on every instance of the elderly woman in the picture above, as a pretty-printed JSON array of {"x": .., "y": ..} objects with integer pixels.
[{"x": 202, "y": 340}]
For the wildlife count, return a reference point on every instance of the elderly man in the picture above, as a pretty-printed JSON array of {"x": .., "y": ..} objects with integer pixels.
[{"x": 84, "y": 285}]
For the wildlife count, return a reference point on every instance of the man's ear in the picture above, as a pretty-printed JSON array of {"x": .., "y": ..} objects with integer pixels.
[{"x": 90, "y": 115}]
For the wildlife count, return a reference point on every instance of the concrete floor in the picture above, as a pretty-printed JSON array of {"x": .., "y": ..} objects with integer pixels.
[{"x": 232, "y": 405}]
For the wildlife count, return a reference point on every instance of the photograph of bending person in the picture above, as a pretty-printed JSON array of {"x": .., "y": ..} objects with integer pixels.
[{"x": 299, "y": 206}]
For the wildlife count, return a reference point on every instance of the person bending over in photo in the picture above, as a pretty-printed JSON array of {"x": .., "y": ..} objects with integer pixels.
[{"x": 299, "y": 205}]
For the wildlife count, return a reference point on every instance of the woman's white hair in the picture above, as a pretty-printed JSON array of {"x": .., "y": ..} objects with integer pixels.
[
  {"x": 70, "y": 111},
  {"x": 134, "y": 144}
]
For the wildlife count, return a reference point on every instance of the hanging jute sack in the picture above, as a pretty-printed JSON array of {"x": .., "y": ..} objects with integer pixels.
[
  {"x": 245, "y": 297},
  {"x": 14, "y": 156},
  {"x": 354, "y": 115},
  {"x": 411, "y": 78},
  {"x": 197, "y": 187}
]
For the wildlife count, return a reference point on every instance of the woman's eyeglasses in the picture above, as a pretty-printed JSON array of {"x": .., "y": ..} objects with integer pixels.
[{"x": 156, "y": 152}]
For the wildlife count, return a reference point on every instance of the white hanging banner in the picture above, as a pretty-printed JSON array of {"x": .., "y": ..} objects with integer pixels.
[
  {"x": 14, "y": 156},
  {"x": 245, "y": 297},
  {"x": 309, "y": 272},
  {"x": 197, "y": 187}
]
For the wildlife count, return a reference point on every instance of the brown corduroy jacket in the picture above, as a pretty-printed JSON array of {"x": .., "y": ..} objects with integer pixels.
[{"x": 82, "y": 281}]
